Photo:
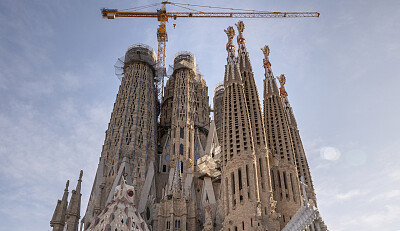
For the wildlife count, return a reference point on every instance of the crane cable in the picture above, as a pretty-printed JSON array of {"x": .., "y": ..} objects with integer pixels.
[
  {"x": 182, "y": 5},
  {"x": 185, "y": 7},
  {"x": 141, "y": 7},
  {"x": 214, "y": 7}
]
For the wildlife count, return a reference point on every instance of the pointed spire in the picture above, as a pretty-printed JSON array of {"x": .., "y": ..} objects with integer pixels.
[
  {"x": 284, "y": 96},
  {"x": 230, "y": 32},
  {"x": 240, "y": 39},
  {"x": 267, "y": 64},
  {"x": 243, "y": 55},
  {"x": 74, "y": 207},
  {"x": 282, "y": 92},
  {"x": 270, "y": 86},
  {"x": 58, "y": 219},
  {"x": 232, "y": 74}
]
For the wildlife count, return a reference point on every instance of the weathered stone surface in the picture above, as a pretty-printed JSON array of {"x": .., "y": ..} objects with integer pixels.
[{"x": 239, "y": 171}]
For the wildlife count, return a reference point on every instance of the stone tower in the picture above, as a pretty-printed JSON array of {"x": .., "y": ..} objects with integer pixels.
[
  {"x": 185, "y": 171},
  {"x": 184, "y": 125},
  {"x": 242, "y": 208},
  {"x": 130, "y": 143},
  {"x": 303, "y": 169},
  {"x": 184, "y": 120},
  {"x": 269, "y": 216},
  {"x": 218, "y": 108},
  {"x": 58, "y": 219},
  {"x": 284, "y": 178},
  {"x": 176, "y": 211},
  {"x": 66, "y": 215},
  {"x": 73, "y": 213}
]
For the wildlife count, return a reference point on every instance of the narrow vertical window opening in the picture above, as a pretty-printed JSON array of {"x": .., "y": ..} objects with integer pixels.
[
  {"x": 181, "y": 149},
  {"x": 240, "y": 178}
]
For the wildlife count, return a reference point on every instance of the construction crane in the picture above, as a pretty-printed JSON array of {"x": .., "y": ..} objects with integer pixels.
[{"x": 162, "y": 16}]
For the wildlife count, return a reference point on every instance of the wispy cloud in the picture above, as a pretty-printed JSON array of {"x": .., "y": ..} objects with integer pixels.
[
  {"x": 57, "y": 89},
  {"x": 349, "y": 195},
  {"x": 384, "y": 196}
]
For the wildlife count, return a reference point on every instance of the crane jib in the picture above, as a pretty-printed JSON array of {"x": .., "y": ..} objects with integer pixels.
[
  {"x": 162, "y": 16},
  {"x": 113, "y": 14}
]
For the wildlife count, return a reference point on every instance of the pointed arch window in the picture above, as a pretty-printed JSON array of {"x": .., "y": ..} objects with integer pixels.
[{"x": 181, "y": 149}]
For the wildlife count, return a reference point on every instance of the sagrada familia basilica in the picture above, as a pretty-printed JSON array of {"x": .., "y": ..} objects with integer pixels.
[{"x": 168, "y": 166}]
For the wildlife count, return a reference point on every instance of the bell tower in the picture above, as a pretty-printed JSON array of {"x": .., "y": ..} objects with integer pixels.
[
  {"x": 284, "y": 178},
  {"x": 242, "y": 208}
]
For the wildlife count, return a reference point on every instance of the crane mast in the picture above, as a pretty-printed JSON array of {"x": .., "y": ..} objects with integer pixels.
[
  {"x": 162, "y": 39},
  {"x": 162, "y": 16}
]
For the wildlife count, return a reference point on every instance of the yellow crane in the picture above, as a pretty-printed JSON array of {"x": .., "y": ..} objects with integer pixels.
[{"x": 162, "y": 16}]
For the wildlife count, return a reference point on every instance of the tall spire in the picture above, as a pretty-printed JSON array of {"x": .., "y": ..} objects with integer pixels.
[
  {"x": 284, "y": 177},
  {"x": 131, "y": 134},
  {"x": 258, "y": 133},
  {"x": 74, "y": 207},
  {"x": 240, "y": 193},
  {"x": 270, "y": 87},
  {"x": 230, "y": 32},
  {"x": 58, "y": 220},
  {"x": 303, "y": 169},
  {"x": 232, "y": 74},
  {"x": 243, "y": 55},
  {"x": 284, "y": 96},
  {"x": 240, "y": 39}
]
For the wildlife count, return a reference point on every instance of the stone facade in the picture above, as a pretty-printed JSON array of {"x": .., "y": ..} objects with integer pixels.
[
  {"x": 120, "y": 213},
  {"x": 67, "y": 214},
  {"x": 130, "y": 143},
  {"x": 185, "y": 171},
  {"x": 307, "y": 218},
  {"x": 269, "y": 216},
  {"x": 285, "y": 180},
  {"x": 240, "y": 192},
  {"x": 218, "y": 108}
]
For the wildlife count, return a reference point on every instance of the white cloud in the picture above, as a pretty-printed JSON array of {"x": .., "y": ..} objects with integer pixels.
[
  {"x": 377, "y": 219},
  {"x": 349, "y": 195},
  {"x": 388, "y": 195},
  {"x": 37, "y": 159}
]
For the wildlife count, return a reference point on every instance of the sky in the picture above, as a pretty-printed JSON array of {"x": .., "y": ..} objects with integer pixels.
[{"x": 57, "y": 89}]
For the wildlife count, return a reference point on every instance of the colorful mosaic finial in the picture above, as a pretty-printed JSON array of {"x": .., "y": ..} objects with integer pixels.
[
  {"x": 230, "y": 32},
  {"x": 282, "y": 81},
  {"x": 240, "y": 26},
  {"x": 240, "y": 38},
  {"x": 266, "y": 51},
  {"x": 266, "y": 63}
]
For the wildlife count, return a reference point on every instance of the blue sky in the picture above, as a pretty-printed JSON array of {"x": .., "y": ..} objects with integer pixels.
[{"x": 57, "y": 89}]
